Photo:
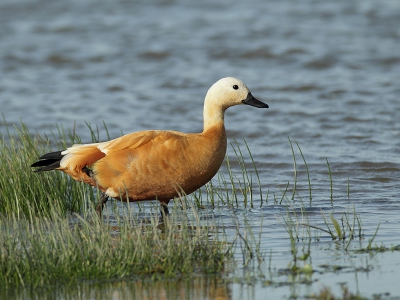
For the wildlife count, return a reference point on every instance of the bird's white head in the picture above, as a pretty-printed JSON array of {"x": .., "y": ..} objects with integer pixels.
[
  {"x": 230, "y": 91},
  {"x": 225, "y": 93}
]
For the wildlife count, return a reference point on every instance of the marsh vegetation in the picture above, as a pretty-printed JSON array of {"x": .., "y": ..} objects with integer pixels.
[{"x": 51, "y": 235}]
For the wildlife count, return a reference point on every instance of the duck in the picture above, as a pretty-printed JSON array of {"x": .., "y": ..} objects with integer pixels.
[{"x": 155, "y": 164}]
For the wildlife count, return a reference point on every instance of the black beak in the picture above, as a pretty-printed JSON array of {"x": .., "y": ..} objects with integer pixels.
[{"x": 250, "y": 100}]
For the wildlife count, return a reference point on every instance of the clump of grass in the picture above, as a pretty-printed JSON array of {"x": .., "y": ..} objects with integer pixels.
[
  {"x": 25, "y": 193},
  {"x": 43, "y": 251},
  {"x": 292, "y": 223}
]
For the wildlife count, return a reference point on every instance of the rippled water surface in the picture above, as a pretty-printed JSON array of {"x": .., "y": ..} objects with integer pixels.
[{"x": 330, "y": 71}]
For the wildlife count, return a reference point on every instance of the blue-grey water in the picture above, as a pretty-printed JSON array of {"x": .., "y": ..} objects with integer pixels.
[{"x": 330, "y": 71}]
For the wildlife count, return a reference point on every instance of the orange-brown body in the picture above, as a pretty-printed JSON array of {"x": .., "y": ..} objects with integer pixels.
[{"x": 150, "y": 165}]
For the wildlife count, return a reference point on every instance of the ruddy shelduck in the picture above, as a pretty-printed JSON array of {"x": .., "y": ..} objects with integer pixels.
[{"x": 155, "y": 164}]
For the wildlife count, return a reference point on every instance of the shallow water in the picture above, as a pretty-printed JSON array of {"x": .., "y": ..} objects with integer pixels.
[{"x": 330, "y": 71}]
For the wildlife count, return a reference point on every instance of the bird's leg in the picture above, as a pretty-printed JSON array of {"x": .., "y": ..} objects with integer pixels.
[
  {"x": 103, "y": 197},
  {"x": 164, "y": 209},
  {"x": 102, "y": 201}
]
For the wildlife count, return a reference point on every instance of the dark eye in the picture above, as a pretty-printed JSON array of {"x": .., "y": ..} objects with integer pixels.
[{"x": 235, "y": 87}]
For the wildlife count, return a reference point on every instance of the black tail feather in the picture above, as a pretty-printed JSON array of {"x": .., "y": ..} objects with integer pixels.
[
  {"x": 54, "y": 155},
  {"x": 48, "y": 162}
]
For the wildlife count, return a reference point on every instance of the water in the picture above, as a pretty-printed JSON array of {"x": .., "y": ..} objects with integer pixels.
[{"x": 330, "y": 71}]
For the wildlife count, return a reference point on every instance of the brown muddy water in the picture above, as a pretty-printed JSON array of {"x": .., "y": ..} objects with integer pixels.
[{"x": 330, "y": 71}]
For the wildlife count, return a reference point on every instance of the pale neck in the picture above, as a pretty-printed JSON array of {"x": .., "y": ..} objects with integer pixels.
[{"x": 213, "y": 116}]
